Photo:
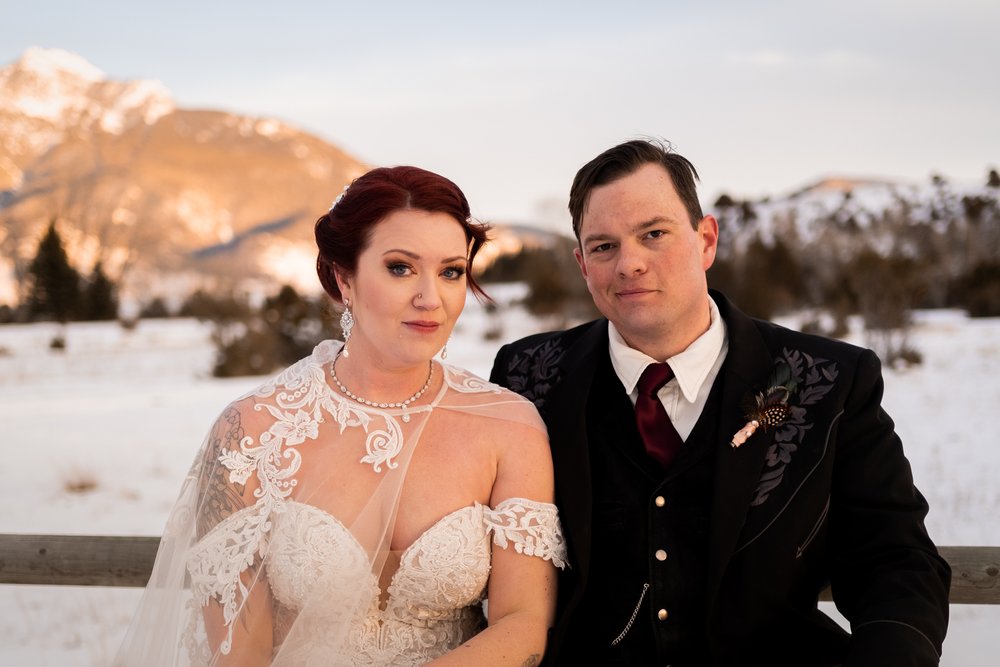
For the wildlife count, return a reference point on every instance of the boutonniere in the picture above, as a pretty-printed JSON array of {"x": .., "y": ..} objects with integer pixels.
[{"x": 768, "y": 408}]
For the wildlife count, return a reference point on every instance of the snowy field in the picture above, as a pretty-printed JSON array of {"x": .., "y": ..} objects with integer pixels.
[{"x": 119, "y": 415}]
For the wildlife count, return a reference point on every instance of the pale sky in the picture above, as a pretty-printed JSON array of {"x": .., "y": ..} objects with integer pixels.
[{"x": 509, "y": 99}]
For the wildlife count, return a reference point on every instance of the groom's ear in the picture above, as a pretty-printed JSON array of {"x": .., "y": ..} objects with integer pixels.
[
  {"x": 578, "y": 254},
  {"x": 708, "y": 234}
]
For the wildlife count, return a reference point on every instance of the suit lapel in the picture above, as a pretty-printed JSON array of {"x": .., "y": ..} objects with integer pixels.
[
  {"x": 565, "y": 414},
  {"x": 737, "y": 471}
]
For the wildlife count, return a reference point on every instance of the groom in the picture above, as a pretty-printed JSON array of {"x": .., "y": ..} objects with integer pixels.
[{"x": 708, "y": 500}]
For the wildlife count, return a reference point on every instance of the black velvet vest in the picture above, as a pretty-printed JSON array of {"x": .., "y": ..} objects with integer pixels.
[{"x": 645, "y": 599}]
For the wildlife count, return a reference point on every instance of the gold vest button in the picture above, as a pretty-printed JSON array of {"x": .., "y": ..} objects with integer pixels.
[
  {"x": 660, "y": 554},
  {"x": 660, "y": 501},
  {"x": 662, "y": 614}
]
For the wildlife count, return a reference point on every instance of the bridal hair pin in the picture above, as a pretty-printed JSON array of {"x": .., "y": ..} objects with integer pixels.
[
  {"x": 768, "y": 408},
  {"x": 340, "y": 196}
]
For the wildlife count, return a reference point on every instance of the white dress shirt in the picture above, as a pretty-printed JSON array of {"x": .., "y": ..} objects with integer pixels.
[{"x": 695, "y": 370}]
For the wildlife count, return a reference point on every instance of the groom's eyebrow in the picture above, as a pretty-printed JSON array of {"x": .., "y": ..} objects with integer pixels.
[
  {"x": 590, "y": 238},
  {"x": 658, "y": 220},
  {"x": 642, "y": 226}
]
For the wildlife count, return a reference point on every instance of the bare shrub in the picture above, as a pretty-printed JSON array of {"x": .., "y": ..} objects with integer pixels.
[
  {"x": 282, "y": 331},
  {"x": 215, "y": 308},
  {"x": 979, "y": 290},
  {"x": 555, "y": 286},
  {"x": 885, "y": 289},
  {"x": 155, "y": 309},
  {"x": 494, "y": 330},
  {"x": 78, "y": 480}
]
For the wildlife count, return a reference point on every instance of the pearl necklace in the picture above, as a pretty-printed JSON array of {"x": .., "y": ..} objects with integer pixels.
[{"x": 402, "y": 404}]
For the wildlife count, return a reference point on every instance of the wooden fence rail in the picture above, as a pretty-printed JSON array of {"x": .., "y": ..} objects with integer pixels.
[{"x": 88, "y": 560}]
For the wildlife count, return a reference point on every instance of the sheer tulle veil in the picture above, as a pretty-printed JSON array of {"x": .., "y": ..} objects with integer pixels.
[{"x": 292, "y": 443}]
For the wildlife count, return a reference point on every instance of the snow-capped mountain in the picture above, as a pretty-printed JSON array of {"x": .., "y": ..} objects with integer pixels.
[
  {"x": 885, "y": 216},
  {"x": 167, "y": 198},
  {"x": 161, "y": 194},
  {"x": 148, "y": 188},
  {"x": 49, "y": 92}
]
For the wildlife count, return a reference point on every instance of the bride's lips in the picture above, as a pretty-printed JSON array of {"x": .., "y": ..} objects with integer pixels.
[{"x": 423, "y": 326}]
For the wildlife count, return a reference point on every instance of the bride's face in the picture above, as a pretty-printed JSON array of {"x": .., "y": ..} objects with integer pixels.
[{"x": 409, "y": 287}]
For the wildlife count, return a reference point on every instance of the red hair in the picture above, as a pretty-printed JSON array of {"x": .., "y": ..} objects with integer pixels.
[{"x": 345, "y": 230}]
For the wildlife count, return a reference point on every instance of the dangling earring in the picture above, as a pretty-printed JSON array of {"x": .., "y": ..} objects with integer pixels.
[
  {"x": 346, "y": 325},
  {"x": 444, "y": 350}
]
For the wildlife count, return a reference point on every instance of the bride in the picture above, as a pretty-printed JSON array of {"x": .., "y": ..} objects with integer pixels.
[{"x": 358, "y": 508}]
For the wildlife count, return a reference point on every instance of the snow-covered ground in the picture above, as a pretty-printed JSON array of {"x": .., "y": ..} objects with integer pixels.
[{"x": 123, "y": 412}]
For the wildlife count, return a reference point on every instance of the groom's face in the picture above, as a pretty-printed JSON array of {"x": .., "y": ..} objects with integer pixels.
[{"x": 644, "y": 261}]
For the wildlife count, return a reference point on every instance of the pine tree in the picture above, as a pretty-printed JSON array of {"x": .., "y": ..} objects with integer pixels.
[
  {"x": 99, "y": 300},
  {"x": 54, "y": 285}
]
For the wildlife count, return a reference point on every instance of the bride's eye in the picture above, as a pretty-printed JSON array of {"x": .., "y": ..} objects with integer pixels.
[
  {"x": 399, "y": 269},
  {"x": 453, "y": 272}
]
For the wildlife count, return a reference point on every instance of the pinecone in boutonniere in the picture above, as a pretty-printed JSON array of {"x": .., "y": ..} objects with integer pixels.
[{"x": 768, "y": 408}]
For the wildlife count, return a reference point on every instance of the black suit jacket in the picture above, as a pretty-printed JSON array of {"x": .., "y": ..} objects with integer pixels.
[{"x": 825, "y": 499}]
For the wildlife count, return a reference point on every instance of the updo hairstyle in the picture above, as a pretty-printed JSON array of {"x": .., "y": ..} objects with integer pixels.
[{"x": 345, "y": 230}]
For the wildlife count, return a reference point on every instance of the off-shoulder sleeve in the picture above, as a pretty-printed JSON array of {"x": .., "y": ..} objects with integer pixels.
[{"x": 532, "y": 528}]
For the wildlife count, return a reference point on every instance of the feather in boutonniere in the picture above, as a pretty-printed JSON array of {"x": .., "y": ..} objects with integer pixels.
[{"x": 768, "y": 408}]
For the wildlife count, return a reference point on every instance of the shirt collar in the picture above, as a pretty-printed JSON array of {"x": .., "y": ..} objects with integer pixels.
[{"x": 690, "y": 366}]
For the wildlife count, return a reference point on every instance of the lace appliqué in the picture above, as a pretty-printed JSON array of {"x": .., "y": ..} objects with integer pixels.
[
  {"x": 467, "y": 383},
  {"x": 433, "y": 602},
  {"x": 532, "y": 527},
  {"x": 298, "y": 400},
  {"x": 382, "y": 445},
  {"x": 218, "y": 560}
]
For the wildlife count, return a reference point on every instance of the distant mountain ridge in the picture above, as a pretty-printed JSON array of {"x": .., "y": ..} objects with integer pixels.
[
  {"x": 167, "y": 198},
  {"x": 161, "y": 194},
  {"x": 864, "y": 211},
  {"x": 147, "y": 187}
]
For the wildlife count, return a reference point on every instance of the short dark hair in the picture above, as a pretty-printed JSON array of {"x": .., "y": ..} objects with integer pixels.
[
  {"x": 625, "y": 159},
  {"x": 343, "y": 232}
]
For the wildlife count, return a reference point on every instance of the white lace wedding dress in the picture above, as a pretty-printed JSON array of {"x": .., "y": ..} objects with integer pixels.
[{"x": 320, "y": 577}]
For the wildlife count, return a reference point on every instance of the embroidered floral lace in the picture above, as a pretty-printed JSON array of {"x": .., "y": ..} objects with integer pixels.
[{"x": 336, "y": 594}]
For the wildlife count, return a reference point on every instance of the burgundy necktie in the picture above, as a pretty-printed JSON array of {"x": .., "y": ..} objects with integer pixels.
[{"x": 658, "y": 434}]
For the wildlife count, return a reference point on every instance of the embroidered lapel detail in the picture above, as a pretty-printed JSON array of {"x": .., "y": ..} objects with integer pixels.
[
  {"x": 535, "y": 370},
  {"x": 814, "y": 377}
]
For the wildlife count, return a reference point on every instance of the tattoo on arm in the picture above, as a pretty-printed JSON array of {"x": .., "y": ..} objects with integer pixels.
[
  {"x": 220, "y": 497},
  {"x": 532, "y": 660}
]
